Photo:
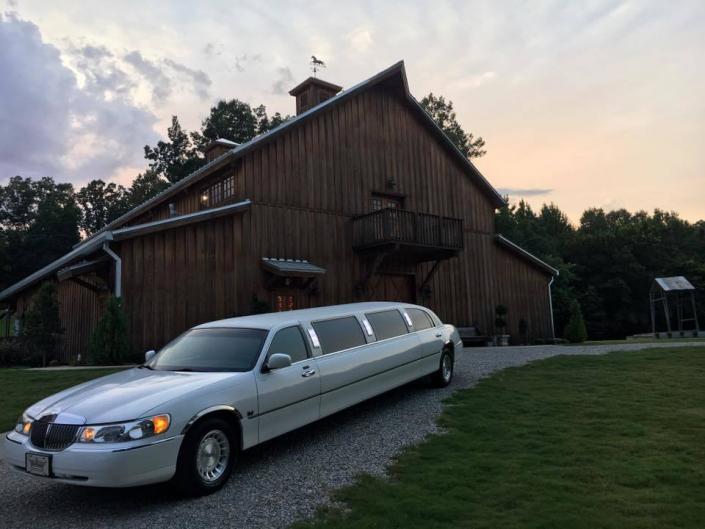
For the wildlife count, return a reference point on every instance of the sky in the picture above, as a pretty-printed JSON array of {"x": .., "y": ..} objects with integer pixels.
[{"x": 583, "y": 104}]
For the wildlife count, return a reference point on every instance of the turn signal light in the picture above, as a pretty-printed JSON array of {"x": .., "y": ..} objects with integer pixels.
[{"x": 161, "y": 423}]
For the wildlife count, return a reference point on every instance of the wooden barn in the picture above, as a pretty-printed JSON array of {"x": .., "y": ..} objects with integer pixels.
[{"x": 359, "y": 197}]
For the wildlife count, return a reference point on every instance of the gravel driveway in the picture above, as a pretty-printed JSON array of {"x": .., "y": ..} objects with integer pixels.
[{"x": 282, "y": 480}]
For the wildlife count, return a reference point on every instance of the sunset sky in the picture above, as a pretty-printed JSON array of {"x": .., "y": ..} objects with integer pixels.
[{"x": 584, "y": 104}]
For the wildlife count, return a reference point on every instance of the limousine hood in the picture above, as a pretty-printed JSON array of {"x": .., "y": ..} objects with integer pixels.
[{"x": 123, "y": 396}]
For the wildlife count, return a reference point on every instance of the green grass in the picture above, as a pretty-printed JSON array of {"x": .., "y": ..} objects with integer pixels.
[
  {"x": 572, "y": 442},
  {"x": 19, "y": 388},
  {"x": 662, "y": 341}
]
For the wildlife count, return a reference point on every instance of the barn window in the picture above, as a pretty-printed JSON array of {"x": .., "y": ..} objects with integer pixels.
[
  {"x": 284, "y": 302},
  {"x": 380, "y": 201},
  {"x": 217, "y": 193}
]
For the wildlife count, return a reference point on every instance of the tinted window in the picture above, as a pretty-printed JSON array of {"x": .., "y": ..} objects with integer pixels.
[
  {"x": 387, "y": 324},
  {"x": 212, "y": 350},
  {"x": 289, "y": 341},
  {"x": 336, "y": 335},
  {"x": 420, "y": 319}
]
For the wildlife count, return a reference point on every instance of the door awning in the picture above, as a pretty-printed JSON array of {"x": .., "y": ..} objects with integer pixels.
[{"x": 291, "y": 267}]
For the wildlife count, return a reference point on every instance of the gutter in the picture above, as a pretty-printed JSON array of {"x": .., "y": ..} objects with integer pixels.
[
  {"x": 118, "y": 268},
  {"x": 550, "y": 307}
]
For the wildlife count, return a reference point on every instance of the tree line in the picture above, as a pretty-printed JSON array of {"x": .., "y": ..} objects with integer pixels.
[{"x": 608, "y": 261}]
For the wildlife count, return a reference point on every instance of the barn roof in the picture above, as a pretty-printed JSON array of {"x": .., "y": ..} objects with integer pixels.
[
  {"x": 396, "y": 72},
  {"x": 674, "y": 284},
  {"x": 518, "y": 250}
]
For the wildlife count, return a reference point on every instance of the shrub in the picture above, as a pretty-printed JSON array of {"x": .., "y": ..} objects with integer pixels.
[
  {"x": 500, "y": 320},
  {"x": 108, "y": 343},
  {"x": 575, "y": 331},
  {"x": 42, "y": 325},
  {"x": 12, "y": 353}
]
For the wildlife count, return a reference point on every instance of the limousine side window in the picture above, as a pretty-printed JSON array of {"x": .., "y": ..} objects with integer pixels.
[
  {"x": 419, "y": 319},
  {"x": 338, "y": 334},
  {"x": 289, "y": 341},
  {"x": 387, "y": 324}
]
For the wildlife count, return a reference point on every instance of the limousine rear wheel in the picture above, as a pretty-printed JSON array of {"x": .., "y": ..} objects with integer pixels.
[
  {"x": 206, "y": 458},
  {"x": 444, "y": 375}
]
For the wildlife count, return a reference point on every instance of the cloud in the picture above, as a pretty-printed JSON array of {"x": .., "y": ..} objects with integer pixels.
[
  {"x": 201, "y": 83},
  {"x": 242, "y": 61},
  {"x": 524, "y": 192},
  {"x": 360, "y": 39},
  {"x": 284, "y": 82},
  {"x": 152, "y": 73},
  {"x": 50, "y": 124}
]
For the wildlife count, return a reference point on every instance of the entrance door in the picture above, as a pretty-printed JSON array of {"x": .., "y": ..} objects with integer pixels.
[{"x": 393, "y": 287}]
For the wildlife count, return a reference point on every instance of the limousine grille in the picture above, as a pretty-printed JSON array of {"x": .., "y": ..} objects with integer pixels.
[{"x": 52, "y": 436}]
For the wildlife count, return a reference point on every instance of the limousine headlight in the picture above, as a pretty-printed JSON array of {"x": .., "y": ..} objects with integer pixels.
[
  {"x": 24, "y": 424},
  {"x": 128, "y": 431}
]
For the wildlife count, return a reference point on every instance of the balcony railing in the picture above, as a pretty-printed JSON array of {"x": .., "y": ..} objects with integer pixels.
[{"x": 409, "y": 228}]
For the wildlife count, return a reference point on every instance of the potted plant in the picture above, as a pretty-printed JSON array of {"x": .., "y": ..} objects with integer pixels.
[{"x": 500, "y": 323}]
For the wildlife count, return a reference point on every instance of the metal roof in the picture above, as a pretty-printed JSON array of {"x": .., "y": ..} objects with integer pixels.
[
  {"x": 92, "y": 245},
  {"x": 525, "y": 254},
  {"x": 291, "y": 267},
  {"x": 674, "y": 284}
]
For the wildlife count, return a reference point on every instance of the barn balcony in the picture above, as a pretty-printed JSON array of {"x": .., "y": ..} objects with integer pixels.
[{"x": 415, "y": 236}]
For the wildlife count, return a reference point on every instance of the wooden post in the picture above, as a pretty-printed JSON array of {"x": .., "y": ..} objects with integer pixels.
[
  {"x": 652, "y": 306},
  {"x": 667, "y": 313},
  {"x": 679, "y": 313},
  {"x": 695, "y": 313}
]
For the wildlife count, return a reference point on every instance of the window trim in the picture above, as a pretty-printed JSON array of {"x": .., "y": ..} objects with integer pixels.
[{"x": 430, "y": 319}]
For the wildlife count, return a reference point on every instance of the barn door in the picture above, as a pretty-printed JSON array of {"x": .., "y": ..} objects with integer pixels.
[{"x": 392, "y": 287}]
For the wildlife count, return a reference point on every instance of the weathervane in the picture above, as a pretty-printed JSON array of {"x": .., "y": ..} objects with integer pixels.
[{"x": 316, "y": 64}]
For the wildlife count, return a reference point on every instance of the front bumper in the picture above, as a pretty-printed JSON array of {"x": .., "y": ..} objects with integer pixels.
[{"x": 115, "y": 465}]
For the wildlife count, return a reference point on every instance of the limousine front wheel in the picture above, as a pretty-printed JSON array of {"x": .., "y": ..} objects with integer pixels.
[
  {"x": 444, "y": 375},
  {"x": 206, "y": 458}
]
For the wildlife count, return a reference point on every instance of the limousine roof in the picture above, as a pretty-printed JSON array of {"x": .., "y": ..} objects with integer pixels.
[{"x": 273, "y": 319}]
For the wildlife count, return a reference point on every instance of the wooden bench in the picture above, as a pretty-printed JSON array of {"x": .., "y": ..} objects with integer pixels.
[{"x": 471, "y": 336}]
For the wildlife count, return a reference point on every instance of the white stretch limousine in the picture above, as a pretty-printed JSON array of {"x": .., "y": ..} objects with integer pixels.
[{"x": 226, "y": 386}]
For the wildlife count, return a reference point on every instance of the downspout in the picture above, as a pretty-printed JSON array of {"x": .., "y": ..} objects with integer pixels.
[
  {"x": 550, "y": 306},
  {"x": 118, "y": 268}
]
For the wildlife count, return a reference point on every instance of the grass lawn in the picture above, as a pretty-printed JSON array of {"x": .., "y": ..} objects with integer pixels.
[
  {"x": 663, "y": 341},
  {"x": 20, "y": 388},
  {"x": 571, "y": 442}
]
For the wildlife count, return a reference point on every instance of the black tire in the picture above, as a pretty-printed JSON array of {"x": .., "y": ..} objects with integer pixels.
[
  {"x": 443, "y": 376},
  {"x": 189, "y": 479}
]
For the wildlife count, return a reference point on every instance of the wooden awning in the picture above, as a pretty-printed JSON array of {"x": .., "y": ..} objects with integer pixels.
[{"x": 291, "y": 267}]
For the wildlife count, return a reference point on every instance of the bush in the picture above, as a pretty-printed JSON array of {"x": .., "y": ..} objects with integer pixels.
[
  {"x": 575, "y": 331},
  {"x": 42, "y": 325},
  {"x": 12, "y": 353},
  {"x": 108, "y": 343}
]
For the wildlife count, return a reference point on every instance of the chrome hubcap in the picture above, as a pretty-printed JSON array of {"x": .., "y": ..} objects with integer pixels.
[
  {"x": 447, "y": 368},
  {"x": 213, "y": 455}
]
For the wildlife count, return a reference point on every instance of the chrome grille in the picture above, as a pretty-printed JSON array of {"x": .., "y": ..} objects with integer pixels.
[{"x": 52, "y": 436}]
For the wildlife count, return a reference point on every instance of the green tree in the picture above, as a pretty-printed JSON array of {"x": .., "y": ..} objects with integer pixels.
[
  {"x": 575, "y": 331},
  {"x": 443, "y": 114},
  {"x": 108, "y": 343},
  {"x": 144, "y": 187},
  {"x": 100, "y": 204},
  {"x": 176, "y": 158},
  {"x": 236, "y": 121},
  {"x": 42, "y": 324}
]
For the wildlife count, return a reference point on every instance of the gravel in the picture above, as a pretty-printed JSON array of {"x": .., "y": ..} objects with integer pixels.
[{"x": 282, "y": 480}]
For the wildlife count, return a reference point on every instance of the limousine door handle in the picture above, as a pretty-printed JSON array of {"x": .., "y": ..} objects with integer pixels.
[
  {"x": 439, "y": 335},
  {"x": 308, "y": 373}
]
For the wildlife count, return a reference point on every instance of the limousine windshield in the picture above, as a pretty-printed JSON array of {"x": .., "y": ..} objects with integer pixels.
[{"x": 215, "y": 349}]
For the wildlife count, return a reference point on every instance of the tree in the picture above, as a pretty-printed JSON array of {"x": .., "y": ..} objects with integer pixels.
[
  {"x": 176, "y": 158},
  {"x": 443, "y": 114},
  {"x": 144, "y": 187},
  {"x": 108, "y": 343},
  {"x": 42, "y": 324},
  {"x": 100, "y": 204},
  {"x": 575, "y": 331},
  {"x": 236, "y": 121}
]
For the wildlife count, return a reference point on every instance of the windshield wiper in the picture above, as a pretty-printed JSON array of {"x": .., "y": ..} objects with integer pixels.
[
  {"x": 185, "y": 369},
  {"x": 145, "y": 366}
]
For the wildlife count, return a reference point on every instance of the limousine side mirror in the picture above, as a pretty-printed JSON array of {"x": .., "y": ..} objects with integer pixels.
[
  {"x": 278, "y": 360},
  {"x": 149, "y": 355}
]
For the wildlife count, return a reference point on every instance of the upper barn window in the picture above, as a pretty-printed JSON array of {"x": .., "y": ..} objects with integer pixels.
[{"x": 217, "y": 193}]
